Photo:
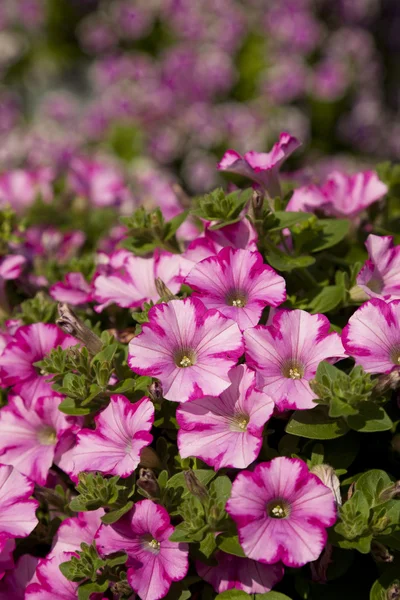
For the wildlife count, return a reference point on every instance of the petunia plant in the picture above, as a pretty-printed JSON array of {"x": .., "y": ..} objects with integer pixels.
[{"x": 201, "y": 399}]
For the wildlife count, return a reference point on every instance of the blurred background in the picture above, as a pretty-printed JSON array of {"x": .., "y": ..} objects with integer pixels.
[{"x": 166, "y": 86}]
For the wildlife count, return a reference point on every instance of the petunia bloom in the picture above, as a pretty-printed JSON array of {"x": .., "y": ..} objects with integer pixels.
[
  {"x": 17, "y": 509},
  {"x": 30, "y": 344},
  {"x": 238, "y": 284},
  {"x": 153, "y": 560},
  {"x": 188, "y": 348},
  {"x": 236, "y": 572},
  {"x": 341, "y": 195},
  {"x": 226, "y": 431},
  {"x": 101, "y": 184},
  {"x": 261, "y": 167},
  {"x": 122, "y": 431},
  {"x": 30, "y": 432},
  {"x": 380, "y": 275},
  {"x": 75, "y": 530},
  {"x": 14, "y": 584},
  {"x": 287, "y": 353},
  {"x": 50, "y": 583},
  {"x": 281, "y": 511},
  {"x": 133, "y": 282},
  {"x": 74, "y": 290},
  {"x": 372, "y": 336}
]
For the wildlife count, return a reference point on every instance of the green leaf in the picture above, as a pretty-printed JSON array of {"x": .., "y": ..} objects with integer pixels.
[
  {"x": 114, "y": 515},
  {"x": 371, "y": 484},
  {"x": 284, "y": 262},
  {"x": 315, "y": 424},
  {"x": 286, "y": 219},
  {"x": 68, "y": 406},
  {"x": 233, "y": 595},
  {"x": 107, "y": 354},
  {"x": 230, "y": 544},
  {"x": 328, "y": 298},
  {"x": 87, "y": 589},
  {"x": 173, "y": 225},
  {"x": 272, "y": 596},
  {"x": 370, "y": 418},
  {"x": 207, "y": 545},
  {"x": 332, "y": 231},
  {"x": 220, "y": 489}
]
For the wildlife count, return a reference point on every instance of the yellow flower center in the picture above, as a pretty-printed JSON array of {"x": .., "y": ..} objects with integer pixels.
[
  {"x": 278, "y": 509},
  {"x": 238, "y": 303},
  {"x": 239, "y": 422},
  {"x": 185, "y": 362},
  {"x": 292, "y": 369},
  {"x": 47, "y": 436},
  {"x": 154, "y": 544},
  {"x": 294, "y": 373}
]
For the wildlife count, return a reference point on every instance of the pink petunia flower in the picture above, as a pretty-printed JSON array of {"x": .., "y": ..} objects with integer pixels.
[
  {"x": 30, "y": 344},
  {"x": 75, "y": 530},
  {"x": 340, "y": 195},
  {"x": 238, "y": 284},
  {"x": 11, "y": 267},
  {"x": 287, "y": 353},
  {"x": 13, "y": 586},
  {"x": 74, "y": 290},
  {"x": 30, "y": 432},
  {"x": 190, "y": 349},
  {"x": 153, "y": 560},
  {"x": 261, "y": 167},
  {"x": 380, "y": 275},
  {"x": 19, "y": 188},
  {"x": 122, "y": 431},
  {"x": 7, "y": 557},
  {"x": 281, "y": 511},
  {"x": 235, "y": 572},
  {"x": 101, "y": 184},
  {"x": 348, "y": 195},
  {"x": 133, "y": 282},
  {"x": 372, "y": 336},
  {"x": 50, "y": 583},
  {"x": 17, "y": 509},
  {"x": 226, "y": 431}
]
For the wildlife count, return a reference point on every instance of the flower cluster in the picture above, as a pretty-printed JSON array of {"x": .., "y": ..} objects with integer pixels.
[{"x": 201, "y": 420}]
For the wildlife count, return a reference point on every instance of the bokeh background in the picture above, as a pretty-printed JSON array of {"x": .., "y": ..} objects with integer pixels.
[{"x": 166, "y": 86}]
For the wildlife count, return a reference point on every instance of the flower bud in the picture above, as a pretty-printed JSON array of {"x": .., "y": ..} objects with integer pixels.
[
  {"x": 380, "y": 553},
  {"x": 393, "y": 592},
  {"x": 149, "y": 458},
  {"x": 328, "y": 477},
  {"x": 389, "y": 381},
  {"x": 390, "y": 492},
  {"x": 72, "y": 325},
  {"x": 357, "y": 294},
  {"x": 194, "y": 486},
  {"x": 162, "y": 290},
  {"x": 156, "y": 391},
  {"x": 147, "y": 481}
]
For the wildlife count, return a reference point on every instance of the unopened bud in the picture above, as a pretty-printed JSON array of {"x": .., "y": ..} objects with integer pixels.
[
  {"x": 148, "y": 482},
  {"x": 156, "y": 391},
  {"x": 390, "y": 492},
  {"x": 72, "y": 325},
  {"x": 357, "y": 294},
  {"x": 149, "y": 458},
  {"x": 162, "y": 290},
  {"x": 257, "y": 203},
  {"x": 380, "y": 553},
  {"x": 329, "y": 478},
  {"x": 195, "y": 486},
  {"x": 393, "y": 592},
  {"x": 389, "y": 381}
]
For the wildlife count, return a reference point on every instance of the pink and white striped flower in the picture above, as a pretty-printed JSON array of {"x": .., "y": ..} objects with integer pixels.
[
  {"x": 30, "y": 432},
  {"x": 261, "y": 167},
  {"x": 133, "y": 281},
  {"x": 372, "y": 336},
  {"x": 238, "y": 573},
  {"x": 17, "y": 509},
  {"x": 287, "y": 353},
  {"x": 238, "y": 284},
  {"x": 50, "y": 583},
  {"x": 75, "y": 530},
  {"x": 154, "y": 562},
  {"x": 281, "y": 511},
  {"x": 74, "y": 290},
  {"x": 30, "y": 344},
  {"x": 380, "y": 275},
  {"x": 188, "y": 348},
  {"x": 122, "y": 431},
  {"x": 226, "y": 431}
]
